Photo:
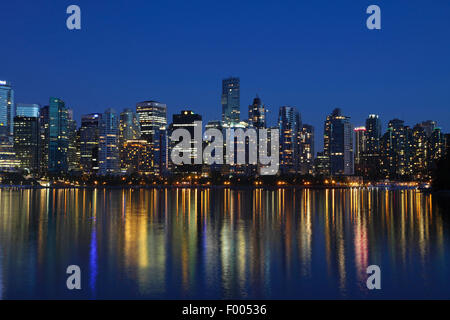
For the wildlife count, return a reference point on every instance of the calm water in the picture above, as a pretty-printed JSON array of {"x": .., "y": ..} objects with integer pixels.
[{"x": 222, "y": 243}]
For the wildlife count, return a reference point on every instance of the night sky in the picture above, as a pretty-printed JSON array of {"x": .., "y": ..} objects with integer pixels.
[{"x": 315, "y": 55}]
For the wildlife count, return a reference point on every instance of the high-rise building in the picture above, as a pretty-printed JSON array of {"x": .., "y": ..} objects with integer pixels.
[
  {"x": 108, "y": 147},
  {"x": 26, "y": 142},
  {"x": 289, "y": 124},
  {"x": 436, "y": 143},
  {"x": 419, "y": 156},
  {"x": 44, "y": 120},
  {"x": 128, "y": 130},
  {"x": 8, "y": 160},
  {"x": 129, "y": 126},
  {"x": 369, "y": 161},
  {"x": 257, "y": 114},
  {"x": 89, "y": 139},
  {"x": 58, "y": 141},
  {"x": 187, "y": 120},
  {"x": 307, "y": 149},
  {"x": 138, "y": 157},
  {"x": 360, "y": 148},
  {"x": 338, "y": 143},
  {"x": 153, "y": 124},
  {"x": 322, "y": 164},
  {"x": 395, "y": 150},
  {"x": 231, "y": 108},
  {"x": 73, "y": 151},
  {"x": 27, "y": 109},
  {"x": 6, "y": 110}
]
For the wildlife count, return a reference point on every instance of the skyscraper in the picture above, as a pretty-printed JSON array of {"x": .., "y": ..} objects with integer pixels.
[
  {"x": 231, "y": 100},
  {"x": 128, "y": 130},
  {"x": 395, "y": 153},
  {"x": 73, "y": 151},
  {"x": 289, "y": 124},
  {"x": 108, "y": 148},
  {"x": 129, "y": 126},
  {"x": 27, "y": 109},
  {"x": 44, "y": 120},
  {"x": 257, "y": 114},
  {"x": 187, "y": 119},
  {"x": 26, "y": 142},
  {"x": 360, "y": 148},
  {"x": 89, "y": 139},
  {"x": 58, "y": 142},
  {"x": 6, "y": 109},
  {"x": 153, "y": 123},
  {"x": 338, "y": 143},
  {"x": 307, "y": 149},
  {"x": 369, "y": 164}
]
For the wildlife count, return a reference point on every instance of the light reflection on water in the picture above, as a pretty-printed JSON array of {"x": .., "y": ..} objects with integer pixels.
[{"x": 223, "y": 243}]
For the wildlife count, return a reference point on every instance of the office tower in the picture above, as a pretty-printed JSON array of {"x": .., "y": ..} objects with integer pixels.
[
  {"x": 322, "y": 164},
  {"x": 137, "y": 157},
  {"x": 257, "y": 114},
  {"x": 6, "y": 110},
  {"x": 289, "y": 124},
  {"x": 128, "y": 130},
  {"x": 44, "y": 119},
  {"x": 214, "y": 124},
  {"x": 129, "y": 126},
  {"x": 395, "y": 150},
  {"x": 26, "y": 142},
  {"x": 360, "y": 148},
  {"x": 307, "y": 149},
  {"x": 419, "y": 155},
  {"x": 27, "y": 110},
  {"x": 153, "y": 124},
  {"x": 436, "y": 144},
  {"x": 73, "y": 152},
  {"x": 231, "y": 100},
  {"x": 8, "y": 160},
  {"x": 369, "y": 160},
  {"x": 89, "y": 140},
  {"x": 338, "y": 143},
  {"x": 58, "y": 142},
  {"x": 108, "y": 146},
  {"x": 187, "y": 119}
]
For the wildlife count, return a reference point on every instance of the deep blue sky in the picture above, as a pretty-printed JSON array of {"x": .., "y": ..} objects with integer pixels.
[{"x": 316, "y": 55}]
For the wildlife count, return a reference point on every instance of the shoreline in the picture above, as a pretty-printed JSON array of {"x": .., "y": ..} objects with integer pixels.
[{"x": 268, "y": 187}]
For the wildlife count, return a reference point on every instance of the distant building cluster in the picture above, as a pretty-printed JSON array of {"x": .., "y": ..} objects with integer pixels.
[{"x": 46, "y": 141}]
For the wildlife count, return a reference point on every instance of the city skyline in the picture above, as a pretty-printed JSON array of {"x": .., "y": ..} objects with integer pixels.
[
  {"x": 311, "y": 56},
  {"x": 47, "y": 140}
]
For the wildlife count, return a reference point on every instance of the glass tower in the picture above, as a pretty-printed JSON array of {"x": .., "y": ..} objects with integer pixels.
[
  {"x": 6, "y": 110},
  {"x": 231, "y": 100}
]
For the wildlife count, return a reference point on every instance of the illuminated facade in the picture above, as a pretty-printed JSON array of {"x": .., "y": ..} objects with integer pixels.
[
  {"x": 58, "y": 142},
  {"x": 231, "y": 108},
  {"x": 137, "y": 157},
  {"x": 289, "y": 124},
  {"x": 257, "y": 114},
  {"x": 153, "y": 124},
  {"x": 338, "y": 143},
  {"x": 6, "y": 109},
  {"x": 89, "y": 139},
  {"x": 187, "y": 120},
  {"x": 307, "y": 149},
  {"x": 27, "y": 109},
  {"x": 360, "y": 148},
  {"x": 26, "y": 142},
  {"x": 108, "y": 147}
]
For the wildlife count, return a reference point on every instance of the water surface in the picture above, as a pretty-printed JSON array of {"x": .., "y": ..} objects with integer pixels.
[{"x": 223, "y": 243}]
